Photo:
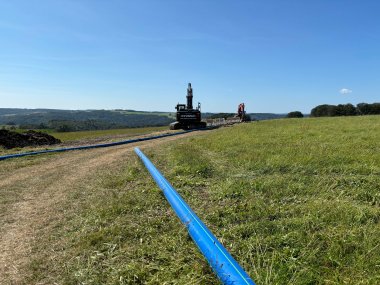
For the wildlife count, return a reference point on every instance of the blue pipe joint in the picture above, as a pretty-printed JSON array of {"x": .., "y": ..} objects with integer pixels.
[{"x": 223, "y": 264}]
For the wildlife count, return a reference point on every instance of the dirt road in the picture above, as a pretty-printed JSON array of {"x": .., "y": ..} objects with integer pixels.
[{"x": 30, "y": 190}]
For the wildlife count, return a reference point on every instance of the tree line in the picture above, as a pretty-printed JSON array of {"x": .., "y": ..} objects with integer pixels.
[
  {"x": 345, "y": 110},
  {"x": 66, "y": 120},
  {"x": 137, "y": 121}
]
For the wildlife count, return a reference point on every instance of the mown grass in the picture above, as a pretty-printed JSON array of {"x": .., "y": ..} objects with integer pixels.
[
  {"x": 70, "y": 136},
  {"x": 295, "y": 201}
]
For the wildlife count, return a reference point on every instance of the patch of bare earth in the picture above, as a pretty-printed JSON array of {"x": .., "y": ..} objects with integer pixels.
[{"x": 40, "y": 188}]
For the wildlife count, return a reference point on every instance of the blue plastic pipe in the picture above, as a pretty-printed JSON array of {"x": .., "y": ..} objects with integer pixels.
[
  {"x": 223, "y": 264},
  {"x": 14, "y": 155}
]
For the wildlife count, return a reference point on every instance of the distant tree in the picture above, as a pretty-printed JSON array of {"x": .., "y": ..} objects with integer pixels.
[
  {"x": 339, "y": 110},
  {"x": 42, "y": 126},
  {"x": 368, "y": 109},
  {"x": 64, "y": 128},
  {"x": 363, "y": 108},
  {"x": 324, "y": 111},
  {"x": 295, "y": 114},
  {"x": 376, "y": 108},
  {"x": 349, "y": 110},
  {"x": 345, "y": 110}
]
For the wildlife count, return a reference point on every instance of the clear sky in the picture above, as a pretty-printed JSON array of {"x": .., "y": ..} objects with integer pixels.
[{"x": 274, "y": 55}]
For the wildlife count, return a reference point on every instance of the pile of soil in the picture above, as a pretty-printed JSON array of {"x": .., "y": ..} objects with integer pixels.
[{"x": 9, "y": 139}]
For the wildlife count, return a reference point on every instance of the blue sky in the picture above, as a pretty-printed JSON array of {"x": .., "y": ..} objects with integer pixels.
[{"x": 276, "y": 56}]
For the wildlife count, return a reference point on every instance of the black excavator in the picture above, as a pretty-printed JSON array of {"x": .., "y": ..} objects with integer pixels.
[{"x": 187, "y": 117}]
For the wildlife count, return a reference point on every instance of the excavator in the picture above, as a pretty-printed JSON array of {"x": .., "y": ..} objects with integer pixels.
[{"x": 187, "y": 117}]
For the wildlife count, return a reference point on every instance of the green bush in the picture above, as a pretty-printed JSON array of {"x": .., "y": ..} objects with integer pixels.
[{"x": 295, "y": 114}]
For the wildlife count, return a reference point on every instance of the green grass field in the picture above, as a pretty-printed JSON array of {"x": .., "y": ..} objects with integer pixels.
[
  {"x": 295, "y": 201},
  {"x": 70, "y": 136}
]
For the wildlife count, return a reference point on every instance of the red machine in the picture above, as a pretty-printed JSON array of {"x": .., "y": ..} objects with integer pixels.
[{"x": 241, "y": 112}]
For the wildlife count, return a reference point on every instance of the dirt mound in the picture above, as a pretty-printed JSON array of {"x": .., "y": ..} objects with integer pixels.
[{"x": 9, "y": 139}]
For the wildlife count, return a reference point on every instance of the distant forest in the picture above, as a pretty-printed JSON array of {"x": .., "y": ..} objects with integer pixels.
[
  {"x": 345, "y": 110},
  {"x": 66, "y": 120}
]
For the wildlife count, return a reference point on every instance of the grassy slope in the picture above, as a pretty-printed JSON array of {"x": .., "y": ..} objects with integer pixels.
[{"x": 295, "y": 202}]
